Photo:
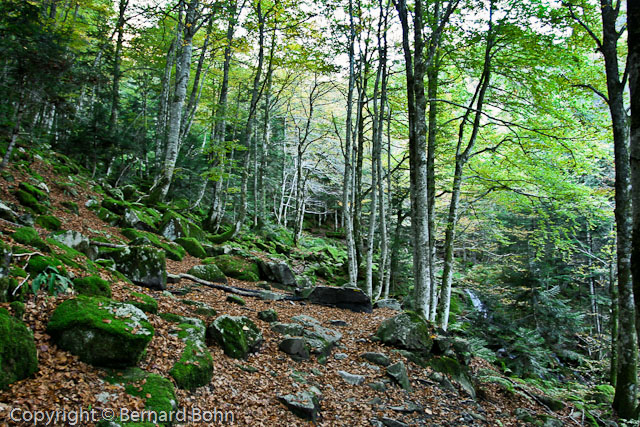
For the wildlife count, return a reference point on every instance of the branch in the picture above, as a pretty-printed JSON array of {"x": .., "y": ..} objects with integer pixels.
[
  {"x": 231, "y": 289},
  {"x": 594, "y": 90},
  {"x": 107, "y": 245},
  {"x": 585, "y": 26}
]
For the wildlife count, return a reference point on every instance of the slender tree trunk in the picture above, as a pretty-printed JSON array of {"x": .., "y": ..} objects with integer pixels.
[
  {"x": 613, "y": 291},
  {"x": 15, "y": 131},
  {"x": 163, "y": 102},
  {"x": 117, "y": 59}
]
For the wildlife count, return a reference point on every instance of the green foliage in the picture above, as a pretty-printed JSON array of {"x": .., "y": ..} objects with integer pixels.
[{"x": 52, "y": 282}]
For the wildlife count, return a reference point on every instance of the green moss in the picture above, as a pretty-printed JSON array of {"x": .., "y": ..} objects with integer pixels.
[
  {"x": 39, "y": 263},
  {"x": 236, "y": 335},
  {"x": 101, "y": 331},
  {"x": 194, "y": 369},
  {"x": 29, "y": 236},
  {"x": 9, "y": 291},
  {"x": 92, "y": 286},
  {"x": 72, "y": 206},
  {"x": 18, "y": 309},
  {"x": 40, "y": 195},
  {"x": 210, "y": 273},
  {"x": 222, "y": 237},
  {"x": 115, "y": 206},
  {"x": 192, "y": 246},
  {"x": 18, "y": 272},
  {"x": 173, "y": 250},
  {"x": 107, "y": 216},
  {"x": 238, "y": 267},
  {"x": 49, "y": 222},
  {"x": 144, "y": 302},
  {"x": 156, "y": 391},
  {"x": 18, "y": 358},
  {"x": 171, "y": 317},
  {"x": 29, "y": 201},
  {"x": 236, "y": 300}
]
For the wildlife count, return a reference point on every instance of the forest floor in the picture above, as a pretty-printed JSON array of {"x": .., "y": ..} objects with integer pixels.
[{"x": 64, "y": 382}]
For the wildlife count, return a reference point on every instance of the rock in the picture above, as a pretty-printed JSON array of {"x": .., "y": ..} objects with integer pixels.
[
  {"x": 271, "y": 296},
  {"x": 407, "y": 331},
  {"x": 173, "y": 278},
  {"x": 192, "y": 246},
  {"x": 303, "y": 404},
  {"x": 76, "y": 241},
  {"x": 174, "y": 226},
  {"x": 278, "y": 272},
  {"x": 92, "y": 286},
  {"x": 352, "y": 379},
  {"x": 398, "y": 373},
  {"x": 156, "y": 391},
  {"x": 340, "y": 356},
  {"x": 297, "y": 348},
  {"x": 391, "y": 303},
  {"x": 144, "y": 302},
  {"x": 195, "y": 367},
  {"x": 7, "y": 213},
  {"x": 524, "y": 415},
  {"x": 236, "y": 299},
  {"x": 287, "y": 329},
  {"x": 347, "y": 298},
  {"x": 377, "y": 358},
  {"x": 456, "y": 371},
  {"x": 210, "y": 273},
  {"x": 389, "y": 422},
  {"x": 378, "y": 386},
  {"x": 237, "y": 267},
  {"x": 133, "y": 218},
  {"x": 269, "y": 315},
  {"x": 338, "y": 323},
  {"x": 553, "y": 404},
  {"x": 18, "y": 356},
  {"x": 305, "y": 320},
  {"x": 143, "y": 265},
  {"x": 100, "y": 331},
  {"x": 238, "y": 336}
]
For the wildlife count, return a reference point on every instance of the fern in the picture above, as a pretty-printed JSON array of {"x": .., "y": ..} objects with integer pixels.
[{"x": 52, "y": 281}]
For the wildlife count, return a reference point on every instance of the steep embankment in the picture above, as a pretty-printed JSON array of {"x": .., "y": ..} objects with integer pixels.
[{"x": 265, "y": 386}]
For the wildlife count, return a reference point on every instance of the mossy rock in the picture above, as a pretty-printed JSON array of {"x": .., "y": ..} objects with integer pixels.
[
  {"x": 192, "y": 246},
  {"x": 174, "y": 226},
  {"x": 144, "y": 302},
  {"x": 268, "y": 316},
  {"x": 49, "y": 222},
  {"x": 9, "y": 291},
  {"x": 238, "y": 336},
  {"x": 29, "y": 236},
  {"x": 71, "y": 206},
  {"x": 407, "y": 331},
  {"x": 156, "y": 391},
  {"x": 455, "y": 370},
  {"x": 210, "y": 273},
  {"x": 602, "y": 393},
  {"x": 171, "y": 317},
  {"x": 238, "y": 267},
  {"x": 92, "y": 286},
  {"x": 18, "y": 272},
  {"x": 138, "y": 219},
  {"x": 100, "y": 331},
  {"x": 116, "y": 206},
  {"x": 236, "y": 300},
  {"x": 107, "y": 216},
  {"x": 40, "y": 195},
  {"x": 173, "y": 250},
  {"x": 18, "y": 356},
  {"x": 143, "y": 265},
  {"x": 195, "y": 367},
  {"x": 18, "y": 309},
  {"x": 29, "y": 201},
  {"x": 39, "y": 263}
]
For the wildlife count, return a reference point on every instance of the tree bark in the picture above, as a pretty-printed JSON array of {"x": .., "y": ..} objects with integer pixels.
[{"x": 117, "y": 59}]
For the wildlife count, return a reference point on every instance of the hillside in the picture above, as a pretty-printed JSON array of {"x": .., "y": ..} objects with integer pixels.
[{"x": 249, "y": 387}]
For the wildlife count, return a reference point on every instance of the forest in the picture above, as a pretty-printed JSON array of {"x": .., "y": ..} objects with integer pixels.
[{"x": 456, "y": 179}]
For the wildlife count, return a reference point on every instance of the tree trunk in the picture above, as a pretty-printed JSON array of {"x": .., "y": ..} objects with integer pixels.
[
  {"x": 117, "y": 59},
  {"x": 15, "y": 131},
  {"x": 163, "y": 102}
]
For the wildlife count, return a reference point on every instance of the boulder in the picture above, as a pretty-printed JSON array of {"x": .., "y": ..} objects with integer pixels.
[
  {"x": 156, "y": 391},
  {"x": 195, "y": 367},
  {"x": 456, "y": 371},
  {"x": 398, "y": 373},
  {"x": 292, "y": 329},
  {"x": 268, "y": 316},
  {"x": 210, "y": 273},
  {"x": 347, "y": 298},
  {"x": 143, "y": 265},
  {"x": 77, "y": 241},
  {"x": 278, "y": 272},
  {"x": 391, "y": 303},
  {"x": 133, "y": 218},
  {"x": 237, "y": 267},
  {"x": 7, "y": 213},
  {"x": 352, "y": 379},
  {"x": 192, "y": 246},
  {"x": 304, "y": 404},
  {"x": 18, "y": 356},
  {"x": 174, "y": 226},
  {"x": 407, "y": 331},
  {"x": 237, "y": 335},
  {"x": 295, "y": 347},
  {"x": 92, "y": 286},
  {"x": 100, "y": 331},
  {"x": 377, "y": 358}
]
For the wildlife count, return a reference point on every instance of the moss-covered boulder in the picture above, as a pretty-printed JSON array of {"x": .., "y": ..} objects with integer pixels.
[
  {"x": 143, "y": 302},
  {"x": 49, "y": 222},
  {"x": 238, "y": 267},
  {"x": 407, "y": 331},
  {"x": 18, "y": 357},
  {"x": 138, "y": 219},
  {"x": 236, "y": 299},
  {"x": 192, "y": 246},
  {"x": 10, "y": 290},
  {"x": 29, "y": 236},
  {"x": 39, "y": 263},
  {"x": 268, "y": 316},
  {"x": 92, "y": 286},
  {"x": 138, "y": 237},
  {"x": 107, "y": 216},
  {"x": 29, "y": 201},
  {"x": 456, "y": 371},
  {"x": 143, "y": 265},
  {"x": 237, "y": 335},
  {"x": 39, "y": 194},
  {"x": 76, "y": 241},
  {"x": 210, "y": 273},
  {"x": 156, "y": 391},
  {"x": 100, "y": 331},
  {"x": 195, "y": 367},
  {"x": 116, "y": 206},
  {"x": 174, "y": 225}
]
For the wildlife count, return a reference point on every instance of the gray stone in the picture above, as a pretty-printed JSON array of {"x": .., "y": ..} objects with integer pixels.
[
  {"x": 352, "y": 379},
  {"x": 287, "y": 329},
  {"x": 132, "y": 219},
  {"x": 407, "y": 331},
  {"x": 269, "y": 315},
  {"x": 346, "y": 298},
  {"x": 398, "y": 373},
  {"x": 7, "y": 213},
  {"x": 377, "y": 358},
  {"x": 271, "y": 296},
  {"x": 238, "y": 336},
  {"x": 297, "y": 348},
  {"x": 278, "y": 272},
  {"x": 303, "y": 404},
  {"x": 378, "y": 386},
  {"x": 389, "y": 422},
  {"x": 143, "y": 265},
  {"x": 340, "y": 356},
  {"x": 338, "y": 323},
  {"x": 77, "y": 241},
  {"x": 173, "y": 278},
  {"x": 391, "y": 303},
  {"x": 209, "y": 272}
]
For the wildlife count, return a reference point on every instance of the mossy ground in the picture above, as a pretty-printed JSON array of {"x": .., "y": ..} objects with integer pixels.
[
  {"x": 157, "y": 391},
  {"x": 144, "y": 302},
  {"x": 49, "y": 222},
  {"x": 92, "y": 286},
  {"x": 238, "y": 267},
  {"x": 18, "y": 358}
]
